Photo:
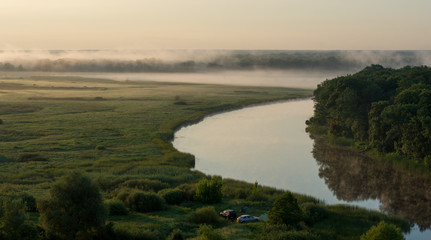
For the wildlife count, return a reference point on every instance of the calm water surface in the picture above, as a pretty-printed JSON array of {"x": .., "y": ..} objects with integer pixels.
[{"x": 268, "y": 144}]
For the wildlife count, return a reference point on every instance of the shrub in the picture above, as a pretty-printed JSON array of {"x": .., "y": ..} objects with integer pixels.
[
  {"x": 175, "y": 235},
  {"x": 206, "y": 232},
  {"x": 172, "y": 196},
  {"x": 118, "y": 233},
  {"x": 13, "y": 221},
  {"x": 116, "y": 207},
  {"x": 1, "y": 121},
  {"x": 74, "y": 205},
  {"x": 256, "y": 194},
  {"x": 108, "y": 183},
  {"x": 383, "y": 231},
  {"x": 285, "y": 210},
  {"x": 189, "y": 191},
  {"x": 204, "y": 215},
  {"x": 209, "y": 191},
  {"x": 313, "y": 213},
  {"x": 29, "y": 202},
  {"x": 146, "y": 184},
  {"x": 141, "y": 201}
]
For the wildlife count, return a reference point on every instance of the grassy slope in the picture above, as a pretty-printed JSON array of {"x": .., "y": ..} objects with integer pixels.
[
  {"x": 65, "y": 119},
  {"x": 116, "y": 131}
]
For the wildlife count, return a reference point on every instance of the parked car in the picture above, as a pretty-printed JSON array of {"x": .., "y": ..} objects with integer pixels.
[
  {"x": 247, "y": 219},
  {"x": 229, "y": 214}
]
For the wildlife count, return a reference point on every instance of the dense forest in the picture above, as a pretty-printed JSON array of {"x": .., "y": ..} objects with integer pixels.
[
  {"x": 201, "y": 60},
  {"x": 387, "y": 109}
]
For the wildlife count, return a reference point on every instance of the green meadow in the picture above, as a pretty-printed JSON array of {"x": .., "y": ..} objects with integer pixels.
[{"x": 119, "y": 134}]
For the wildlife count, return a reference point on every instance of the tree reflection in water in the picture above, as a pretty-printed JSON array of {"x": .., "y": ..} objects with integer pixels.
[{"x": 352, "y": 176}]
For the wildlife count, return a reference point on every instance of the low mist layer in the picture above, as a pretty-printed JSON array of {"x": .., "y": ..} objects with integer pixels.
[{"x": 204, "y": 60}]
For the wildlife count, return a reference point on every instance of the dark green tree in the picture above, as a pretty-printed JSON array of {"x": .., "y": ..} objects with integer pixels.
[
  {"x": 391, "y": 109},
  {"x": 383, "y": 231},
  {"x": 74, "y": 208},
  {"x": 285, "y": 210}
]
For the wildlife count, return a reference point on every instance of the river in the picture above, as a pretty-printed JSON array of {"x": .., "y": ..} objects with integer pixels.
[{"x": 268, "y": 144}]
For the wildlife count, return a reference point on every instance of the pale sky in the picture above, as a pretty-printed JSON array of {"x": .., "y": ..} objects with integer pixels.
[{"x": 216, "y": 24}]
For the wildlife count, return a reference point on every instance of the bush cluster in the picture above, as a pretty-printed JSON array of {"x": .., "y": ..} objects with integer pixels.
[
  {"x": 172, "y": 196},
  {"x": 189, "y": 191},
  {"x": 209, "y": 191},
  {"x": 140, "y": 201},
  {"x": 116, "y": 207},
  {"x": 204, "y": 215}
]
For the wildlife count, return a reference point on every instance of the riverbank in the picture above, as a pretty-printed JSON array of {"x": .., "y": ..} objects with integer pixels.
[{"x": 118, "y": 133}]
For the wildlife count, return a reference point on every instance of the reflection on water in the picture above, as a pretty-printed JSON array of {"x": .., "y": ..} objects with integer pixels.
[
  {"x": 352, "y": 177},
  {"x": 268, "y": 144}
]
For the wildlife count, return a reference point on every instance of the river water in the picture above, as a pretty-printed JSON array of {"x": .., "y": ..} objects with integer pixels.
[{"x": 268, "y": 144}]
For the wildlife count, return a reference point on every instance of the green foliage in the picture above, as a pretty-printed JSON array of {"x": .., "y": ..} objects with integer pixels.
[
  {"x": 383, "y": 231},
  {"x": 285, "y": 210},
  {"x": 172, "y": 196},
  {"x": 141, "y": 201},
  {"x": 204, "y": 215},
  {"x": 313, "y": 213},
  {"x": 209, "y": 191},
  {"x": 74, "y": 207},
  {"x": 350, "y": 222},
  {"x": 189, "y": 191},
  {"x": 282, "y": 232},
  {"x": 388, "y": 108},
  {"x": 118, "y": 233},
  {"x": 29, "y": 202},
  {"x": 206, "y": 232},
  {"x": 145, "y": 184},
  {"x": 256, "y": 193},
  {"x": 175, "y": 235},
  {"x": 14, "y": 223},
  {"x": 116, "y": 208}
]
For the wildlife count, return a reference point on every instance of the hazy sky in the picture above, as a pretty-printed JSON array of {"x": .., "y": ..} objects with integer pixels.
[{"x": 215, "y": 24}]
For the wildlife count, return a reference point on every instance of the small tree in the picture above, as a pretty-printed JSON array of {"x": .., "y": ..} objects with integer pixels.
[
  {"x": 383, "y": 231},
  {"x": 210, "y": 191},
  {"x": 14, "y": 223},
  {"x": 74, "y": 208},
  {"x": 285, "y": 210}
]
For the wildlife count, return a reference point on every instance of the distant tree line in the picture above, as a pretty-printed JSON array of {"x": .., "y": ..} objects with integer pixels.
[
  {"x": 388, "y": 109},
  {"x": 232, "y": 60}
]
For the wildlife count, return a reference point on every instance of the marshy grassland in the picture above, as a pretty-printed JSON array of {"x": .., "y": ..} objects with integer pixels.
[
  {"x": 106, "y": 128},
  {"x": 119, "y": 134}
]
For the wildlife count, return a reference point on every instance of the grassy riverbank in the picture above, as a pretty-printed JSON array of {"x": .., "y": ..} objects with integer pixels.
[
  {"x": 117, "y": 132},
  {"x": 106, "y": 128}
]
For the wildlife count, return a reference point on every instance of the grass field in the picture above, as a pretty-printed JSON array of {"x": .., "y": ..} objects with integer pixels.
[
  {"x": 118, "y": 131},
  {"x": 106, "y": 128}
]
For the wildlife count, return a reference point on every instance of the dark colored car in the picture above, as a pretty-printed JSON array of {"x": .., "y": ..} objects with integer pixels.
[
  {"x": 229, "y": 214},
  {"x": 247, "y": 218}
]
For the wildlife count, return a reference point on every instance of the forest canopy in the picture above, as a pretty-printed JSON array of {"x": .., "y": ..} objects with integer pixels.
[{"x": 389, "y": 109}]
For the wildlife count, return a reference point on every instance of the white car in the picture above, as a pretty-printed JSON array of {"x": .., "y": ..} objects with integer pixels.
[{"x": 247, "y": 218}]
